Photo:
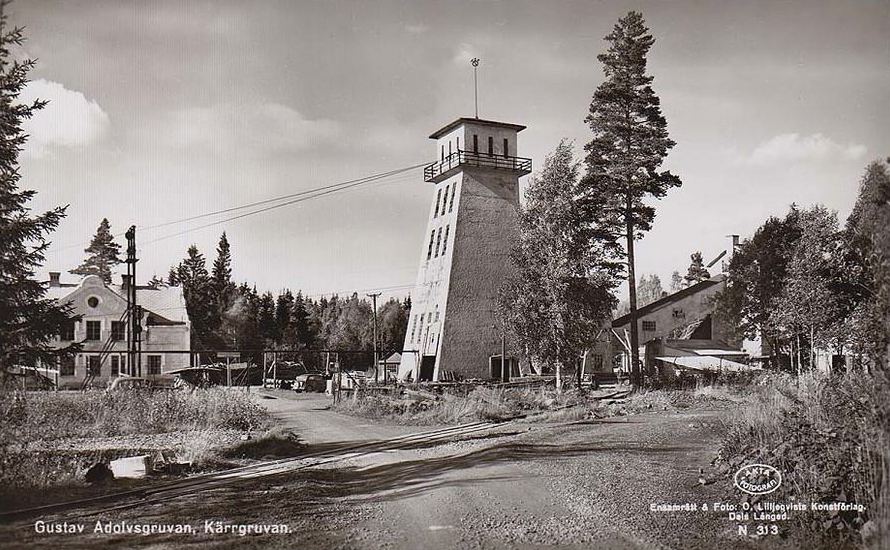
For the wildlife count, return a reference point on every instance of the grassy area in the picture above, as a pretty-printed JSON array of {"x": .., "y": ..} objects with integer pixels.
[
  {"x": 541, "y": 404},
  {"x": 828, "y": 435},
  {"x": 49, "y": 439}
]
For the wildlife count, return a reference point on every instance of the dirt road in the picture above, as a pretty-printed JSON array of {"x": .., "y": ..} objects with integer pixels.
[{"x": 525, "y": 486}]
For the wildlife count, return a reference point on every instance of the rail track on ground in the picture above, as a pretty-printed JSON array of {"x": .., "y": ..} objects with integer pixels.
[{"x": 164, "y": 491}]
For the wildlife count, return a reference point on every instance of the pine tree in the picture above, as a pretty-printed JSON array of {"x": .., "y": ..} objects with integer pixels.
[
  {"x": 283, "y": 307},
  {"x": 630, "y": 142},
  {"x": 266, "y": 326},
  {"x": 696, "y": 272},
  {"x": 650, "y": 289},
  {"x": 28, "y": 320},
  {"x": 103, "y": 254},
  {"x": 197, "y": 290},
  {"x": 156, "y": 282},
  {"x": 677, "y": 283},
  {"x": 222, "y": 266}
]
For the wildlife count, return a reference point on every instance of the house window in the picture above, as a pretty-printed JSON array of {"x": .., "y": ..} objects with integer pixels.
[
  {"x": 438, "y": 198},
  {"x": 598, "y": 362},
  {"x": 490, "y": 146},
  {"x": 66, "y": 331},
  {"x": 451, "y": 201},
  {"x": 438, "y": 240},
  {"x": 649, "y": 326},
  {"x": 506, "y": 148},
  {"x": 678, "y": 314},
  {"x": 117, "y": 330},
  {"x": 94, "y": 365},
  {"x": 429, "y": 253},
  {"x": 115, "y": 365},
  {"x": 154, "y": 364},
  {"x": 445, "y": 240},
  {"x": 66, "y": 365},
  {"x": 94, "y": 330},
  {"x": 475, "y": 144}
]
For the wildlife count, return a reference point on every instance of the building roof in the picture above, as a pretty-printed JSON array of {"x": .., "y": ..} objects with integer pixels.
[
  {"x": 463, "y": 120},
  {"x": 167, "y": 303},
  {"x": 707, "y": 363},
  {"x": 669, "y": 299}
]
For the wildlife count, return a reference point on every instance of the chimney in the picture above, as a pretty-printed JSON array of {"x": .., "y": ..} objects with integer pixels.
[
  {"x": 54, "y": 279},
  {"x": 125, "y": 281}
]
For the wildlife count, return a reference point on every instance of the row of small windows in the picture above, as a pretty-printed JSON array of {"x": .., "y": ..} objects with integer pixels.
[
  {"x": 505, "y": 151},
  {"x": 442, "y": 198},
  {"x": 440, "y": 245},
  {"x": 94, "y": 365},
  {"x": 93, "y": 331},
  {"x": 429, "y": 319}
]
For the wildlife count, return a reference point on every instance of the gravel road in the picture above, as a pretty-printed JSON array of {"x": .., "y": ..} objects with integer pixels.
[{"x": 524, "y": 486}]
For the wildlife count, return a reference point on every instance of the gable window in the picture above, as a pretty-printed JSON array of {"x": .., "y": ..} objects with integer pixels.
[
  {"x": 66, "y": 331},
  {"x": 506, "y": 148},
  {"x": 490, "y": 146},
  {"x": 117, "y": 330},
  {"x": 154, "y": 364},
  {"x": 649, "y": 326},
  {"x": 94, "y": 365},
  {"x": 94, "y": 330},
  {"x": 93, "y": 301},
  {"x": 451, "y": 202},
  {"x": 66, "y": 365}
]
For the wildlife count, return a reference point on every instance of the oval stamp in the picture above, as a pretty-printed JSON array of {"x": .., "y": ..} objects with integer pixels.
[{"x": 757, "y": 479}]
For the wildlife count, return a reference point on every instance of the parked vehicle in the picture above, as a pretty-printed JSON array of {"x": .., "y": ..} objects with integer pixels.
[
  {"x": 130, "y": 383},
  {"x": 310, "y": 383}
]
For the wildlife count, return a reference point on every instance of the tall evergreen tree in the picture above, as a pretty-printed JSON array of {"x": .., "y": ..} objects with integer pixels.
[
  {"x": 283, "y": 308},
  {"x": 630, "y": 142},
  {"x": 222, "y": 266},
  {"x": 677, "y": 283},
  {"x": 266, "y": 325},
  {"x": 103, "y": 254},
  {"x": 28, "y": 320},
  {"x": 197, "y": 290},
  {"x": 696, "y": 272},
  {"x": 650, "y": 290}
]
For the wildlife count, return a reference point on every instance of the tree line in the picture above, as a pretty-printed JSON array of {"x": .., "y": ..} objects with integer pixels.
[{"x": 804, "y": 282}]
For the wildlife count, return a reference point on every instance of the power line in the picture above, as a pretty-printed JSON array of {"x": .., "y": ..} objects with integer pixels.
[
  {"x": 313, "y": 193},
  {"x": 364, "y": 181}
]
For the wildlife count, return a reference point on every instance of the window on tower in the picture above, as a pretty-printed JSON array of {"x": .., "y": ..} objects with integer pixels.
[
  {"x": 476, "y": 144},
  {"x": 451, "y": 201},
  {"x": 449, "y": 148},
  {"x": 490, "y": 146},
  {"x": 458, "y": 144},
  {"x": 438, "y": 198},
  {"x": 438, "y": 240},
  {"x": 443, "y": 152},
  {"x": 445, "y": 199},
  {"x": 506, "y": 148},
  {"x": 445, "y": 240},
  {"x": 429, "y": 253}
]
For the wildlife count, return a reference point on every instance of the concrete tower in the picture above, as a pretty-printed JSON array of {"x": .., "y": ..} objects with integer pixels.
[{"x": 453, "y": 328}]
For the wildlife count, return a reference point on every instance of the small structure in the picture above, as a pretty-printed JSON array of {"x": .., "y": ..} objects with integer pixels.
[{"x": 453, "y": 328}]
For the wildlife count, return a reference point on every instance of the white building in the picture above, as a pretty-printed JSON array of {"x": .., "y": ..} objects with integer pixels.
[{"x": 102, "y": 330}]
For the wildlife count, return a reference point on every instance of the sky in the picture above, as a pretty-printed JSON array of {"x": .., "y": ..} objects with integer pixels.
[{"x": 162, "y": 110}]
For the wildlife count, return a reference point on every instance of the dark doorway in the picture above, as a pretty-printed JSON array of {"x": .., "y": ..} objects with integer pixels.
[{"x": 427, "y": 367}]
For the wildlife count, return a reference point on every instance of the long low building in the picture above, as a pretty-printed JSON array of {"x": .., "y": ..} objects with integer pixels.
[{"x": 101, "y": 330}]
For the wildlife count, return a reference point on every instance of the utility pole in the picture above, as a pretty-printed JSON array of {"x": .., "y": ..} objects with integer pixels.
[
  {"x": 373, "y": 297},
  {"x": 475, "y": 63},
  {"x": 134, "y": 327}
]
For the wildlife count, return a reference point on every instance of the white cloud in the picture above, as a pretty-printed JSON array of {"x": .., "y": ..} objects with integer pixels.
[
  {"x": 796, "y": 148},
  {"x": 268, "y": 126},
  {"x": 465, "y": 52},
  {"x": 68, "y": 120}
]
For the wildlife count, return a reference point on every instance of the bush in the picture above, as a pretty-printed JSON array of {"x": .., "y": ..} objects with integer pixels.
[{"x": 828, "y": 437}]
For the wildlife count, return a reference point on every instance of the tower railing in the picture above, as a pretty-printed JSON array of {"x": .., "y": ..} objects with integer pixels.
[{"x": 469, "y": 158}]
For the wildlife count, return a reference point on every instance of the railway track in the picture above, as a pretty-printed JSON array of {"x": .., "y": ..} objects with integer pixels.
[{"x": 165, "y": 491}]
